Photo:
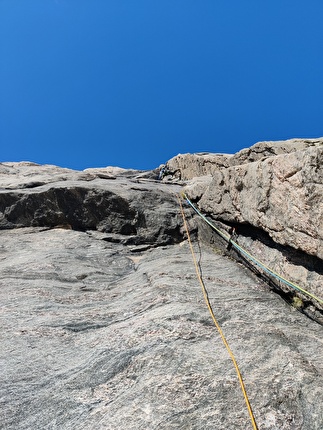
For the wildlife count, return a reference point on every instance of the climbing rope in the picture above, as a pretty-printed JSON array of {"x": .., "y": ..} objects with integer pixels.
[
  {"x": 217, "y": 325},
  {"x": 250, "y": 257}
]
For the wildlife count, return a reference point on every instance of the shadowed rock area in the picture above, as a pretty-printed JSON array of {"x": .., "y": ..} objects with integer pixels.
[{"x": 103, "y": 321}]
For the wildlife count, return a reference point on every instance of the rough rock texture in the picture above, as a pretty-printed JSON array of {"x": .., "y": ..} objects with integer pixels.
[
  {"x": 262, "y": 150},
  {"x": 110, "y": 204},
  {"x": 272, "y": 192},
  {"x": 189, "y": 166},
  {"x": 104, "y": 325}
]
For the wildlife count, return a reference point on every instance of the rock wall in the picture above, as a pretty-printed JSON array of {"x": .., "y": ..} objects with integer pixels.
[
  {"x": 104, "y": 326},
  {"x": 274, "y": 188}
]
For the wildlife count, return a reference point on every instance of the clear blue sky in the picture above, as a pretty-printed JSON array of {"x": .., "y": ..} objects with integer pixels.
[{"x": 131, "y": 83}]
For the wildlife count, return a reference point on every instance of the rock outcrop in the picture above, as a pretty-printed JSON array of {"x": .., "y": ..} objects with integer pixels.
[
  {"x": 103, "y": 322},
  {"x": 87, "y": 201},
  {"x": 272, "y": 193}
]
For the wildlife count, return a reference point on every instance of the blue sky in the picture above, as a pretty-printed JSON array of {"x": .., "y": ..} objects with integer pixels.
[{"x": 131, "y": 83}]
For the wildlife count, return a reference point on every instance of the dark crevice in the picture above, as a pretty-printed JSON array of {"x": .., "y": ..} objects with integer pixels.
[
  {"x": 292, "y": 255},
  {"x": 303, "y": 305},
  {"x": 84, "y": 326},
  {"x": 308, "y": 307},
  {"x": 34, "y": 184}
]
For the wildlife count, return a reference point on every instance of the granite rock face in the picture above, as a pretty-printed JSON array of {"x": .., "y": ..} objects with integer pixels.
[
  {"x": 87, "y": 201},
  {"x": 189, "y": 166},
  {"x": 104, "y": 324},
  {"x": 272, "y": 193}
]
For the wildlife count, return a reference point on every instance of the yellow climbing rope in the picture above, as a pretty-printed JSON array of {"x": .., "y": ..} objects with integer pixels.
[{"x": 207, "y": 301}]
